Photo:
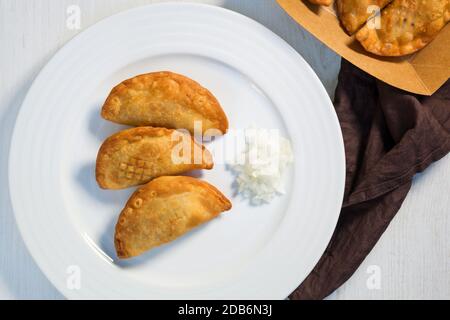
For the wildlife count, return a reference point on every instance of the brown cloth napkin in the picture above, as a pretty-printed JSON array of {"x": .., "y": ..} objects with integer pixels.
[{"x": 389, "y": 135}]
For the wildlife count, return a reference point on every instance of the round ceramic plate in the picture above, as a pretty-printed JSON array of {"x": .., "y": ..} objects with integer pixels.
[{"x": 251, "y": 252}]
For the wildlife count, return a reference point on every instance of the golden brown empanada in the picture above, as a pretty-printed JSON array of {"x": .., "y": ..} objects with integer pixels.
[
  {"x": 164, "y": 99},
  {"x": 136, "y": 156},
  {"x": 164, "y": 210},
  {"x": 354, "y": 13},
  {"x": 321, "y": 2},
  {"x": 406, "y": 26}
]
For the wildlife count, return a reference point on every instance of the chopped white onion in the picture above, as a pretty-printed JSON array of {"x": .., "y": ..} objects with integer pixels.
[{"x": 259, "y": 174}]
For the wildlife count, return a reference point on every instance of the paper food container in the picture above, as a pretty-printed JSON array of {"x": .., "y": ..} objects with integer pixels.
[{"x": 423, "y": 72}]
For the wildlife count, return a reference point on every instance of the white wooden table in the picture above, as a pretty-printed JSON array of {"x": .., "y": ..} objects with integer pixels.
[{"x": 413, "y": 257}]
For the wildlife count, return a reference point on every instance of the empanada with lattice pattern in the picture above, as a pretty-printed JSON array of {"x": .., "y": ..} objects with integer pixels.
[{"x": 136, "y": 156}]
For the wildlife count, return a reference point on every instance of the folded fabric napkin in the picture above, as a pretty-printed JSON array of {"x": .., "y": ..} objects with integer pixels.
[{"x": 389, "y": 135}]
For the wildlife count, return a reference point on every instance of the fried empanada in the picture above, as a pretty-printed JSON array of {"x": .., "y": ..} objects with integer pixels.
[
  {"x": 164, "y": 210},
  {"x": 321, "y": 2},
  {"x": 355, "y": 13},
  {"x": 165, "y": 99},
  {"x": 406, "y": 27},
  {"x": 136, "y": 156}
]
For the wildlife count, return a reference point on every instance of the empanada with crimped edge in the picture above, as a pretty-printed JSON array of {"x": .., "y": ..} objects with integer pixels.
[
  {"x": 406, "y": 27},
  {"x": 165, "y": 99},
  {"x": 354, "y": 13},
  {"x": 164, "y": 210},
  {"x": 136, "y": 156}
]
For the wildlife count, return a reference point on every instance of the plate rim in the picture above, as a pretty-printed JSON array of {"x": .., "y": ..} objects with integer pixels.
[{"x": 13, "y": 142}]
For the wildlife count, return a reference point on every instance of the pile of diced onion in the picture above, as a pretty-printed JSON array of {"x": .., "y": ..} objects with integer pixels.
[{"x": 259, "y": 173}]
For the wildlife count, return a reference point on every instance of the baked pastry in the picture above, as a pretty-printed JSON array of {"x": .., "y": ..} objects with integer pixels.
[
  {"x": 355, "y": 13},
  {"x": 406, "y": 27},
  {"x": 136, "y": 156},
  {"x": 164, "y": 210},
  {"x": 165, "y": 99},
  {"x": 321, "y": 2}
]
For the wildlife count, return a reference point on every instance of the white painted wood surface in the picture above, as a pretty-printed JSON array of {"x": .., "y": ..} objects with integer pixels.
[{"x": 413, "y": 256}]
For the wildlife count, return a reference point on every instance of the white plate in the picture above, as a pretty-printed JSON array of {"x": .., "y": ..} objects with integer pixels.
[{"x": 251, "y": 252}]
